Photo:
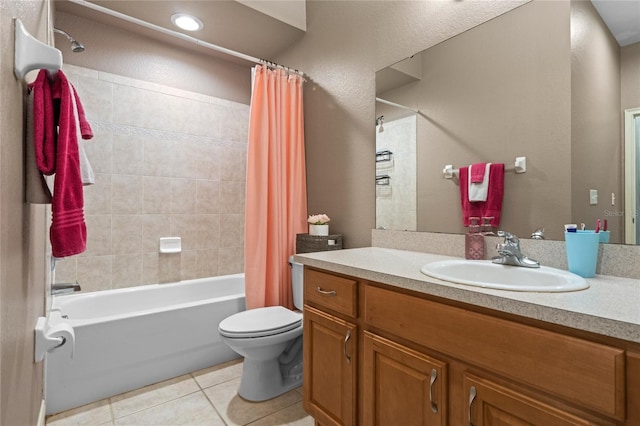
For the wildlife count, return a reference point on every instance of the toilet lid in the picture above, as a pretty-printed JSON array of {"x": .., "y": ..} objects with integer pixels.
[{"x": 260, "y": 322}]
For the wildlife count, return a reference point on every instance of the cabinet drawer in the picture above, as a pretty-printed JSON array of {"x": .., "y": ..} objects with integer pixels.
[
  {"x": 330, "y": 291},
  {"x": 580, "y": 371}
]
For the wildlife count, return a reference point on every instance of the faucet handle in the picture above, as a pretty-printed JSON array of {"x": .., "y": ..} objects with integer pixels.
[{"x": 508, "y": 236}]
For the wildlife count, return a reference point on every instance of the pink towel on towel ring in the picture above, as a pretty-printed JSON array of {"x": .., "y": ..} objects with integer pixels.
[
  {"x": 59, "y": 154},
  {"x": 477, "y": 172},
  {"x": 493, "y": 205}
]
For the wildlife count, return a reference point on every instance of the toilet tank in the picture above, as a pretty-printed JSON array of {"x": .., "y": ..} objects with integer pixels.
[{"x": 297, "y": 282}]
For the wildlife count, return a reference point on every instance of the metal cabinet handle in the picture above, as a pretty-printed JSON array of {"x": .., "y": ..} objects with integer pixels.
[
  {"x": 434, "y": 376},
  {"x": 346, "y": 340},
  {"x": 472, "y": 396},
  {"x": 327, "y": 293}
]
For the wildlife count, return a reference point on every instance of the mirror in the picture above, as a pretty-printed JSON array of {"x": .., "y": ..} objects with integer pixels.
[{"x": 546, "y": 81}]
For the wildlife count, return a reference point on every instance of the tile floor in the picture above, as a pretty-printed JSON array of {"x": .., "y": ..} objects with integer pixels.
[{"x": 206, "y": 397}]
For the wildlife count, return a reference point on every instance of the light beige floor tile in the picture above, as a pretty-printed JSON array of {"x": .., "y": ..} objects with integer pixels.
[
  {"x": 218, "y": 373},
  {"x": 191, "y": 410},
  {"x": 236, "y": 411},
  {"x": 149, "y": 396},
  {"x": 91, "y": 414},
  {"x": 293, "y": 415}
]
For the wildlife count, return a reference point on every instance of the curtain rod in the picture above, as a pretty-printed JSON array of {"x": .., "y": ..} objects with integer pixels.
[
  {"x": 182, "y": 36},
  {"x": 384, "y": 101}
]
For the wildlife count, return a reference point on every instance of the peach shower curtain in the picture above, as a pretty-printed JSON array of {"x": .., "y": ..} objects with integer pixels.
[{"x": 276, "y": 191}]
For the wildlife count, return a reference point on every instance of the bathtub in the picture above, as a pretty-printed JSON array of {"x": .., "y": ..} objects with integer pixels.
[{"x": 129, "y": 338}]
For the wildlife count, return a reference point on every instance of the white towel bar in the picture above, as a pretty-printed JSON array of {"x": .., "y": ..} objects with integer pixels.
[{"x": 520, "y": 166}]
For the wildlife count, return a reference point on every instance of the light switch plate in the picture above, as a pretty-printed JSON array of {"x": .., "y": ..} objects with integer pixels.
[{"x": 593, "y": 197}]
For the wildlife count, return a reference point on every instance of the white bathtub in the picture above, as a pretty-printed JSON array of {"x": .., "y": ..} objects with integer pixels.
[{"x": 129, "y": 338}]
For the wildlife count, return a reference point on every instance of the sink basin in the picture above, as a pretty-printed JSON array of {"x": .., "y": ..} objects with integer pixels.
[{"x": 484, "y": 273}]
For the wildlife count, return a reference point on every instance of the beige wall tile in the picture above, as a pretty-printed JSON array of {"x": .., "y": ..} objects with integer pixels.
[
  {"x": 235, "y": 124},
  {"x": 208, "y": 228},
  {"x": 151, "y": 268},
  {"x": 94, "y": 273},
  {"x": 185, "y": 227},
  {"x": 169, "y": 267},
  {"x": 231, "y": 260},
  {"x": 97, "y": 197},
  {"x": 232, "y": 197},
  {"x": 207, "y": 263},
  {"x": 233, "y": 164},
  {"x": 208, "y": 162},
  {"x": 126, "y": 194},
  {"x": 99, "y": 151},
  {"x": 183, "y": 196},
  {"x": 97, "y": 98},
  {"x": 210, "y": 120},
  {"x": 189, "y": 265},
  {"x": 66, "y": 270},
  {"x": 207, "y": 196},
  {"x": 154, "y": 227},
  {"x": 129, "y": 109},
  {"x": 184, "y": 159},
  {"x": 232, "y": 230},
  {"x": 128, "y": 155},
  {"x": 126, "y": 231},
  {"x": 126, "y": 271},
  {"x": 98, "y": 235},
  {"x": 156, "y": 195},
  {"x": 157, "y": 157}
]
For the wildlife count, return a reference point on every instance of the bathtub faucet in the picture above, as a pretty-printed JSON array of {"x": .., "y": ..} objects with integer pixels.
[{"x": 63, "y": 288}]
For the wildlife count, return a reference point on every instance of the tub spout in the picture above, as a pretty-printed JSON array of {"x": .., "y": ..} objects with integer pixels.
[{"x": 64, "y": 288}]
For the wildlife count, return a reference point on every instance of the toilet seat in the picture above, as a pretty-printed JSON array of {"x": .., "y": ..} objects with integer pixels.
[{"x": 260, "y": 322}]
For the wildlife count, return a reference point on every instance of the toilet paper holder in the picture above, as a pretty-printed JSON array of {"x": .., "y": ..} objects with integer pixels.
[{"x": 49, "y": 338}]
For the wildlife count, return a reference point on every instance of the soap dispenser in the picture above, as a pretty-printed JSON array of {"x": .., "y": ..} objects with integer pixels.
[{"x": 474, "y": 240}]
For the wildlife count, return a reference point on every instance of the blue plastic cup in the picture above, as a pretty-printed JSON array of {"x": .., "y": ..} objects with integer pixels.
[
  {"x": 604, "y": 236},
  {"x": 582, "y": 252}
]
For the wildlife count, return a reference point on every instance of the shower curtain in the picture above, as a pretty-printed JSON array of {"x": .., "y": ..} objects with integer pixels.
[{"x": 276, "y": 190}]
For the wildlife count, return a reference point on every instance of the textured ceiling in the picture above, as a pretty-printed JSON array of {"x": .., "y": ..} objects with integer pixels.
[{"x": 227, "y": 23}]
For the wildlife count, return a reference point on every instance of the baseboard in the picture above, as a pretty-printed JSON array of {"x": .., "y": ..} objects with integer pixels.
[{"x": 41, "y": 415}]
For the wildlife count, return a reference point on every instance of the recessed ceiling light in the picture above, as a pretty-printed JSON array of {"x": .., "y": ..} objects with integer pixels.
[{"x": 187, "y": 22}]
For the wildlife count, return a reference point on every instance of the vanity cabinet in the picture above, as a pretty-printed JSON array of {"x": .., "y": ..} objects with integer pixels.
[
  {"x": 490, "y": 404},
  {"x": 401, "y": 386},
  {"x": 330, "y": 349},
  {"x": 429, "y": 361}
]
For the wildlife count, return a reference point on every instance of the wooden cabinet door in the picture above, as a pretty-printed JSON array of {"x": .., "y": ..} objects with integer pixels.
[
  {"x": 330, "y": 366},
  {"x": 490, "y": 404},
  {"x": 401, "y": 386}
]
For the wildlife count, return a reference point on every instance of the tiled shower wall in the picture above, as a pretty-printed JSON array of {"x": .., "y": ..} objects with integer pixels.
[
  {"x": 396, "y": 202},
  {"x": 168, "y": 163}
]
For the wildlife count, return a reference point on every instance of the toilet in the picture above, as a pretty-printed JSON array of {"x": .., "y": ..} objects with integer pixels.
[{"x": 270, "y": 340}]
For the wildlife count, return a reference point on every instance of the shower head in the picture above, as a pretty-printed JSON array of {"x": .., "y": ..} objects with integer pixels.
[
  {"x": 379, "y": 122},
  {"x": 76, "y": 46}
]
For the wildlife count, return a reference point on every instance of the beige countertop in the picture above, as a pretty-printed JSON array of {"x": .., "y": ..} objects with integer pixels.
[{"x": 610, "y": 306}]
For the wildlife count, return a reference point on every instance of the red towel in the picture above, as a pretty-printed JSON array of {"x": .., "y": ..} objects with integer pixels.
[
  {"x": 493, "y": 205},
  {"x": 59, "y": 154},
  {"x": 477, "y": 172}
]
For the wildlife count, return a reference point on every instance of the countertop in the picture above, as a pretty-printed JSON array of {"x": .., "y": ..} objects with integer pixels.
[{"x": 610, "y": 306}]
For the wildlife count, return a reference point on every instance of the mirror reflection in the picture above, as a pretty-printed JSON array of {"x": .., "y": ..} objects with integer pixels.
[{"x": 547, "y": 81}]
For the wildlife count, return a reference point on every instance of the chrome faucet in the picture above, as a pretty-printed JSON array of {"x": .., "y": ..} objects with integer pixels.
[
  {"x": 538, "y": 234},
  {"x": 64, "y": 288},
  {"x": 510, "y": 253}
]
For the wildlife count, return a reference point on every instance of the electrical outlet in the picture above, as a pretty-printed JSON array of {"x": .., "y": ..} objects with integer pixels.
[{"x": 593, "y": 197}]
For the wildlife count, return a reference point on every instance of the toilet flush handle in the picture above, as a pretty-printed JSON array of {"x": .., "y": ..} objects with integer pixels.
[{"x": 327, "y": 293}]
